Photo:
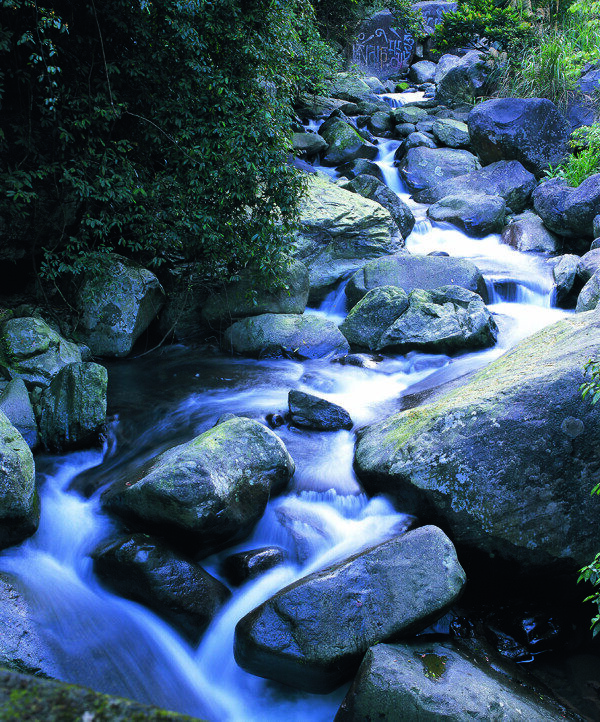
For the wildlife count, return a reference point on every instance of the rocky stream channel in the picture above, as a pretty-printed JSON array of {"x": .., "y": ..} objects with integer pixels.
[{"x": 349, "y": 499}]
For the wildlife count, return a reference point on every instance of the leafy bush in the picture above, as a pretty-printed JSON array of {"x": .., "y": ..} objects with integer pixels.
[
  {"x": 158, "y": 128},
  {"x": 481, "y": 19},
  {"x": 584, "y": 161}
]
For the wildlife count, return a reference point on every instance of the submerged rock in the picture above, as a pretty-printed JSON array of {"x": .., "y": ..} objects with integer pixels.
[
  {"x": 117, "y": 302},
  {"x": 476, "y": 215},
  {"x": 433, "y": 680},
  {"x": 19, "y": 507},
  {"x": 243, "y": 566},
  {"x": 496, "y": 460},
  {"x": 143, "y": 569},
  {"x": 313, "y": 633},
  {"x": 285, "y": 335},
  {"x": 313, "y": 412},
  {"x": 210, "y": 491},
  {"x": 32, "y": 351}
]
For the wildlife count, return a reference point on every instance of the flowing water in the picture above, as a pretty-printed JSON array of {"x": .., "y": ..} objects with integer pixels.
[{"x": 117, "y": 646}]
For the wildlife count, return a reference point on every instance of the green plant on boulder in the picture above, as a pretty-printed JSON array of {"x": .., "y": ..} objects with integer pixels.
[{"x": 584, "y": 159}]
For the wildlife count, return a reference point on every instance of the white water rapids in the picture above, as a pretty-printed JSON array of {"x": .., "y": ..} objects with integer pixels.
[{"x": 118, "y": 646}]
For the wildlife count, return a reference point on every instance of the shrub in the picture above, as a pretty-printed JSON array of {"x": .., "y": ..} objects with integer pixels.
[{"x": 583, "y": 162}]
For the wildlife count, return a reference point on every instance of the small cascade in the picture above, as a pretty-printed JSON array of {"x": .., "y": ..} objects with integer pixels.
[
  {"x": 503, "y": 290},
  {"x": 397, "y": 100}
]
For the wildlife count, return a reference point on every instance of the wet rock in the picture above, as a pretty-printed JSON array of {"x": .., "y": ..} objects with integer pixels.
[
  {"x": 275, "y": 420},
  {"x": 347, "y": 86},
  {"x": 403, "y": 130},
  {"x": 339, "y": 232},
  {"x": 566, "y": 283},
  {"x": 463, "y": 80},
  {"x": 589, "y": 297},
  {"x": 588, "y": 265},
  {"x": 145, "y": 570},
  {"x": 344, "y": 143},
  {"x": 210, "y": 491},
  {"x": 313, "y": 412},
  {"x": 414, "y": 140},
  {"x": 411, "y": 272},
  {"x": 528, "y": 234},
  {"x": 422, "y": 72},
  {"x": 380, "y": 123},
  {"x": 73, "y": 407},
  {"x": 368, "y": 320},
  {"x": 490, "y": 459},
  {"x": 313, "y": 633},
  {"x": 285, "y": 335},
  {"x": 117, "y": 302},
  {"x": 246, "y": 298},
  {"x": 507, "y": 179},
  {"x": 369, "y": 187},
  {"x": 16, "y": 405},
  {"x": 530, "y": 130},
  {"x": 422, "y": 168},
  {"x": 451, "y": 133},
  {"x": 408, "y": 114},
  {"x": 358, "y": 168},
  {"x": 308, "y": 145},
  {"x": 243, "y": 566},
  {"x": 32, "y": 351},
  {"x": 432, "y": 680},
  {"x": 596, "y": 226},
  {"x": 569, "y": 212},
  {"x": 318, "y": 106},
  {"x": 19, "y": 507},
  {"x": 476, "y": 215}
]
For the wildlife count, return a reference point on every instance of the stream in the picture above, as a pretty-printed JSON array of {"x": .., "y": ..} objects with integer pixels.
[{"x": 117, "y": 646}]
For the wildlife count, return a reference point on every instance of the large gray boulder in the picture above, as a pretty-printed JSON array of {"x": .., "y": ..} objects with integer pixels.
[
  {"x": 285, "y": 335},
  {"x": 530, "y": 130},
  {"x": 144, "y": 569},
  {"x": 117, "y": 302},
  {"x": 319, "y": 106},
  {"x": 313, "y": 633},
  {"x": 346, "y": 86},
  {"x": 73, "y": 407},
  {"x": 588, "y": 265},
  {"x": 19, "y": 507},
  {"x": 422, "y": 71},
  {"x": 308, "y": 145},
  {"x": 246, "y": 297},
  {"x": 411, "y": 272},
  {"x": 476, "y": 215},
  {"x": 507, "y": 179},
  {"x": 582, "y": 109},
  {"x": 456, "y": 681},
  {"x": 15, "y": 403},
  {"x": 451, "y": 133},
  {"x": 445, "y": 63},
  {"x": 463, "y": 81},
  {"x": 528, "y": 234},
  {"x": 422, "y": 168},
  {"x": 569, "y": 212},
  {"x": 489, "y": 460},
  {"x": 344, "y": 143},
  {"x": 312, "y": 412},
  {"x": 566, "y": 282},
  {"x": 211, "y": 490},
  {"x": 369, "y": 319},
  {"x": 339, "y": 232},
  {"x": 32, "y": 351},
  {"x": 370, "y": 187},
  {"x": 589, "y": 297}
]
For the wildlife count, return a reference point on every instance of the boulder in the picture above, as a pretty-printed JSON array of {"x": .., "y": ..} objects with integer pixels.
[
  {"x": 425, "y": 125},
  {"x": 476, "y": 215},
  {"x": 445, "y": 63},
  {"x": 507, "y": 179},
  {"x": 359, "y": 167},
  {"x": 369, "y": 187},
  {"x": 285, "y": 335},
  {"x": 410, "y": 272},
  {"x": 117, "y": 302},
  {"x": 211, "y": 490},
  {"x": 590, "y": 294},
  {"x": 308, "y": 145},
  {"x": 507, "y": 461},
  {"x": 588, "y": 265},
  {"x": 528, "y": 234},
  {"x": 380, "y": 123},
  {"x": 452, "y": 680},
  {"x": 73, "y": 407},
  {"x": 433, "y": 12},
  {"x": 145, "y": 570},
  {"x": 403, "y": 130},
  {"x": 582, "y": 109},
  {"x": 422, "y": 168},
  {"x": 344, "y": 143},
  {"x": 247, "y": 298},
  {"x": 32, "y": 351},
  {"x": 244, "y": 566},
  {"x": 313, "y": 633},
  {"x": 422, "y": 72},
  {"x": 319, "y": 106},
  {"x": 414, "y": 140},
  {"x": 312, "y": 412},
  {"x": 566, "y": 283},
  {"x": 339, "y": 232},
  {"x": 462, "y": 81},
  {"x": 530, "y": 130},
  {"x": 451, "y": 133},
  {"x": 370, "y": 318},
  {"x": 596, "y": 226},
  {"x": 408, "y": 114},
  {"x": 347, "y": 86},
  {"x": 569, "y": 212},
  {"x": 16, "y": 406},
  {"x": 19, "y": 507}
]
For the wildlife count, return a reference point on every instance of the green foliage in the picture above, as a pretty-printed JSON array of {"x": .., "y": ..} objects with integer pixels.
[
  {"x": 583, "y": 162},
  {"x": 482, "y": 19},
  {"x": 158, "y": 128},
  {"x": 591, "y": 572}
]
